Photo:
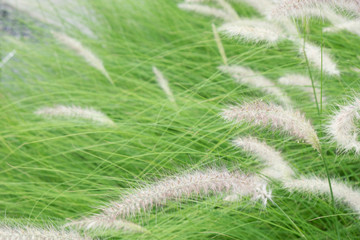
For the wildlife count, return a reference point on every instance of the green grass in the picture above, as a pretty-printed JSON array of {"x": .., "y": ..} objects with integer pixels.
[{"x": 51, "y": 170}]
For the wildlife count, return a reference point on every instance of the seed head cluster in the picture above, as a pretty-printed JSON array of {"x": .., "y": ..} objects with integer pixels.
[
  {"x": 276, "y": 166},
  {"x": 262, "y": 114},
  {"x": 73, "y": 112},
  {"x": 24, "y": 233},
  {"x": 342, "y": 128},
  {"x": 247, "y": 76}
]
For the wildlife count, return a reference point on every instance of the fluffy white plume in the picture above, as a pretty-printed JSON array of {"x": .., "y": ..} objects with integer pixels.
[
  {"x": 195, "y": 183},
  {"x": 342, "y": 126},
  {"x": 276, "y": 166},
  {"x": 247, "y": 76},
  {"x": 352, "y": 26},
  {"x": 259, "y": 113},
  {"x": 75, "y": 112},
  {"x": 219, "y": 44},
  {"x": 9, "y": 56},
  {"x": 252, "y": 30},
  {"x": 228, "y": 8},
  {"x": 299, "y": 8},
  {"x": 303, "y": 82},
  {"x": 341, "y": 191},
  {"x": 206, "y": 10},
  {"x": 22, "y": 233},
  {"x": 174, "y": 188},
  {"x": 313, "y": 54},
  {"x": 163, "y": 83},
  {"x": 104, "y": 222},
  {"x": 84, "y": 52}
]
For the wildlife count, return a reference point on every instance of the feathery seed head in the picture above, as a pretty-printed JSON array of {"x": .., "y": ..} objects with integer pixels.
[
  {"x": 104, "y": 222},
  {"x": 292, "y": 8},
  {"x": 319, "y": 60},
  {"x": 21, "y": 233},
  {"x": 342, "y": 128},
  {"x": 195, "y": 183},
  {"x": 75, "y": 112},
  {"x": 276, "y": 167},
  {"x": 174, "y": 188},
  {"x": 302, "y": 81},
  {"x": 262, "y": 114},
  {"x": 352, "y": 26},
  {"x": 247, "y": 76},
  {"x": 252, "y": 30},
  {"x": 316, "y": 185},
  {"x": 86, "y": 53},
  {"x": 163, "y": 83}
]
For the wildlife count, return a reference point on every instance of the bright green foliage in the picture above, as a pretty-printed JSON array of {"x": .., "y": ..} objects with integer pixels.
[{"x": 54, "y": 169}]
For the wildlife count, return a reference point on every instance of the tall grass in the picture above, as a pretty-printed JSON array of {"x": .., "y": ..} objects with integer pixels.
[{"x": 52, "y": 170}]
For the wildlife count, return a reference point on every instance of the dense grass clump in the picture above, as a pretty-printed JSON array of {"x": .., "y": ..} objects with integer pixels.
[{"x": 158, "y": 124}]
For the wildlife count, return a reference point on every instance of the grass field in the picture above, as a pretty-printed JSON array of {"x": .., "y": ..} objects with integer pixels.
[{"x": 56, "y": 169}]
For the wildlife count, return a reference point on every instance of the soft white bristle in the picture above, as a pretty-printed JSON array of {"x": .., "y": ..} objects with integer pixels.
[
  {"x": 352, "y": 26},
  {"x": 262, "y": 114},
  {"x": 315, "y": 185},
  {"x": 276, "y": 167},
  {"x": 313, "y": 54},
  {"x": 101, "y": 221},
  {"x": 228, "y": 8},
  {"x": 299, "y": 8},
  {"x": 303, "y": 82},
  {"x": 247, "y": 76},
  {"x": 84, "y": 52},
  {"x": 174, "y": 188},
  {"x": 252, "y": 30},
  {"x": 22, "y": 233},
  {"x": 163, "y": 83},
  {"x": 195, "y": 183},
  {"x": 342, "y": 126},
  {"x": 75, "y": 112}
]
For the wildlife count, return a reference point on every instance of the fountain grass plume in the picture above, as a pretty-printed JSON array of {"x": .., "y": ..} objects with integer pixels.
[
  {"x": 75, "y": 112},
  {"x": 316, "y": 185},
  {"x": 198, "y": 183},
  {"x": 228, "y": 8},
  {"x": 262, "y": 114},
  {"x": 206, "y": 10},
  {"x": 163, "y": 83},
  {"x": 303, "y": 82},
  {"x": 26, "y": 232},
  {"x": 104, "y": 222},
  {"x": 352, "y": 26},
  {"x": 290, "y": 8},
  {"x": 342, "y": 128},
  {"x": 252, "y": 30},
  {"x": 321, "y": 61},
  {"x": 84, "y": 52},
  {"x": 276, "y": 166},
  {"x": 247, "y": 76}
]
